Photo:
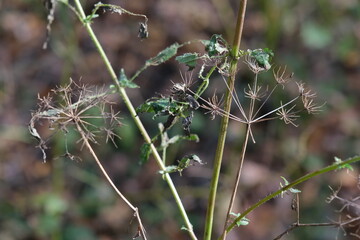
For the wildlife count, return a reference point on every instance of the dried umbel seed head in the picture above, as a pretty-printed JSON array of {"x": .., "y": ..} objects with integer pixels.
[
  {"x": 287, "y": 115},
  {"x": 79, "y": 105},
  {"x": 214, "y": 106},
  {"x": 253, "y": 65},
  {"x": 281, "y": 77}
]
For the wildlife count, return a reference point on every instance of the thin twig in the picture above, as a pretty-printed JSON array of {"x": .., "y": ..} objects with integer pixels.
[
  {"x": 237, "y": 181},
  {"x": 329, "y": 224},
  {"x": 304, "y": 178},
  {"x": 91, "y": 150}
]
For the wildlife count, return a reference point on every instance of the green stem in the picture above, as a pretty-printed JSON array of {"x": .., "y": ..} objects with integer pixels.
[
  {"x": 291, "y": 185},
  {"x": 136, "y": 119},
  {"x": 204, "y": 84},
  {"x": 224, "y": 123}
]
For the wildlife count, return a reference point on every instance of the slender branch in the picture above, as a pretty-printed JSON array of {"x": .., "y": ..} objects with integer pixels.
[
  {"x": 204, "y": 84},
  {"x": 136, "y": 119},
  {"x": 237, "y": 181},
  {"x": 224, "y": 123},
  {"x": 290, "y": 185},
  {"x": 297, "y": 224},
  {"x": 135, "y": 209},
  {"x": 271, "y": 112},
  {"x": 329, "y": 224},
  {"x": 236, "y": 100}
]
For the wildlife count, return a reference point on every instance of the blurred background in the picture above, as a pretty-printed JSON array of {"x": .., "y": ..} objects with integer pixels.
[{"x": 318, "y": 40}]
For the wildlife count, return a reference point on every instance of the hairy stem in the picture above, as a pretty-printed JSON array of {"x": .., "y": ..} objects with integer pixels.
[
  {"x": 290, "y": 185},
  {"x": 136, "y": 119},
  {"x": 224, "y": 123}
]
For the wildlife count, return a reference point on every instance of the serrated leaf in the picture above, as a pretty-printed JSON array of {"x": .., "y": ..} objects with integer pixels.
[
  {"x": 160, "y": 106},
  {"x": 216, "y": 45},
  {"x": 164, "y": 55},
  {"x": 145, "y": 152},
  {"x": 186, "y": 161},
  {"x": 125, "y": 82},
  {"x": 262, "y": 57},
  {"x": 189, "y": 59}
]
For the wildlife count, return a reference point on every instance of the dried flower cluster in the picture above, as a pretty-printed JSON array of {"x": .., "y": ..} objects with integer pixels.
[
  {"x": 75, "y": 105},
  {"x": 287, "y": 112}
]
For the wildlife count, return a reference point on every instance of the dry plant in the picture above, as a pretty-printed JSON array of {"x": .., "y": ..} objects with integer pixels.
[
  {"x": 70, "y": 106},
  {"x": 349, "y": 225}
]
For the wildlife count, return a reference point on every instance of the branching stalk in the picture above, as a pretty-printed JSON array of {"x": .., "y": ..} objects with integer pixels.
[
  {"x": 304, "y": 178},
  {"x": 224, "y": 123},
  {"x": 136, "y": 119},
  {"x": 237, "y": 181}
]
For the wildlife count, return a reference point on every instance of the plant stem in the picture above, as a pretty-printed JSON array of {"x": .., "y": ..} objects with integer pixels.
[
  {"x": 237, "y": 181},
  {"x": 290, "y": 185},
  {"x": 135, "y": 209},
  {"x": 224, "y": 123},
  {"x": 204, "y": 84},
  {"x": 136, "y": 119}
]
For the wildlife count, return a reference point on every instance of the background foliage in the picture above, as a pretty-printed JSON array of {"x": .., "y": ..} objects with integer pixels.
[{"x": 318, "y": 40}]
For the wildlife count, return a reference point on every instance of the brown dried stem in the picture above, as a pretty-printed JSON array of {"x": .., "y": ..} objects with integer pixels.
[{"x": 84, "y": 137}]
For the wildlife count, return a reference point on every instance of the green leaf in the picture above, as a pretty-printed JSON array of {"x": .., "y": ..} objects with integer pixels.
[
  {"x": 262, "y": 57},
  {"x": 169, "y": 169},
  {"x": 186, "y": 161},
  {"x": 242, "y": 222},
  {"x": 216, "y": 46},
  {"x": 166, "y": 142},
  {"x": 125, "y": 82},
  {"x": 164, "y": 55},
  {"x": 189, "y": 59},
  {"x": 160, "y": 106},
  {"x": 177, "y": 138},
  {"x": 196, "y": 158},
  {"x": 348, "y": 166},
  {"x": 145, "y": 152}
]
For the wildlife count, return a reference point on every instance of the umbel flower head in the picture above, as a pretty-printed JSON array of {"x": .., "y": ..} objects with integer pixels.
[{"x": 74, "y": 105}]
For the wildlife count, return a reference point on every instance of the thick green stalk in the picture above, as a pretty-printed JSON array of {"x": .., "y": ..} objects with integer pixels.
[
  {"x": 224, "y": 123},
  {"x": 136, "y": 119},
  {"x": 304, "y": 178}
]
